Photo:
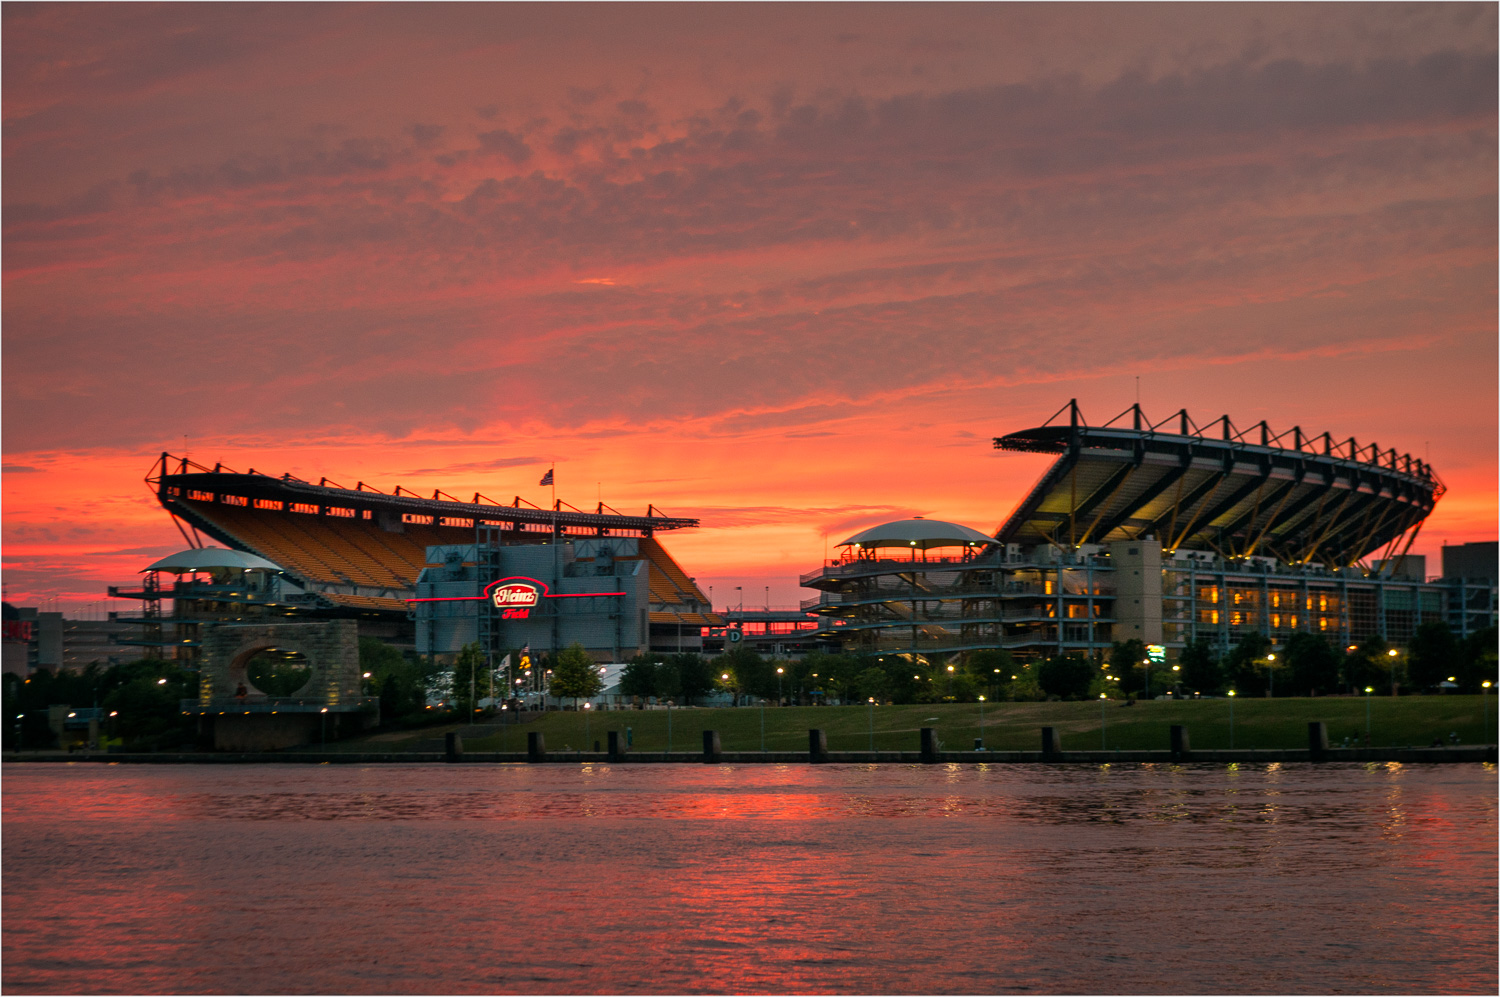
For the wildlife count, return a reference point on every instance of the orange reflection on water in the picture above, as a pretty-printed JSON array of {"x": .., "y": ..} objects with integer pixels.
[{"x": 794, "y": 878}]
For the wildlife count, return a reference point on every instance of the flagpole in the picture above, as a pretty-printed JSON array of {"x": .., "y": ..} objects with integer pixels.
[{"x": 552, "y": 480}]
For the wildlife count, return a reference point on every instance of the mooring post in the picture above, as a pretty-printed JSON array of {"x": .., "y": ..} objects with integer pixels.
[
  {"x": 711, "y": 748},
  {"x": 817, "y": 746},
  {"x": 453, "y": 747},
  {"x": 536, "y": 746},
  {"x": 929, "y": 745},
  {"x": 1180, "y": 748},
  {"x": 1051, "y": 743},
  {"x": 616, "y": 749},
  {"x": 1317, "y": 740}
]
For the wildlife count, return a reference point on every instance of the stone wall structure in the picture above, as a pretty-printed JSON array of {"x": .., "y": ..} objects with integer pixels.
[
  {"x": 331, "y": 648},
  {"x": 328, "y": 705}
]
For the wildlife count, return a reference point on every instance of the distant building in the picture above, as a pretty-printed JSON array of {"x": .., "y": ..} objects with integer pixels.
[
  {"x": 1471, "y": 572},
  {"x": 48, "y": 640}
]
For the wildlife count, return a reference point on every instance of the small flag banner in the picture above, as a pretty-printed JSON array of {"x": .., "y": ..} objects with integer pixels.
[{"x": 547, "y": 478}]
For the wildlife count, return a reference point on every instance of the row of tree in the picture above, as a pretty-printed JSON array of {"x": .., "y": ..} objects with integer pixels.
[
  {"x": 1309, "y": 665},
  {"x": 142, "y": 699},
  {"x": 143, "y": 696}
]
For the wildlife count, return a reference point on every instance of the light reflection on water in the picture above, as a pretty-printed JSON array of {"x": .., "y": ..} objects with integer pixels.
[{"x": 795, "y": 878}]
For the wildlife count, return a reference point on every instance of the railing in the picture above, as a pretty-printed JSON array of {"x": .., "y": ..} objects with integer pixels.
[
  {"x": 877, "y": 641},
  {"x": 879, "y": 566},
  {"x": 947, "y": 592}
]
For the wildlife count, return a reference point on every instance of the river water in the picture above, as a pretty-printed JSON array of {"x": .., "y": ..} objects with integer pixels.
[{"x": 760, "y": 878}]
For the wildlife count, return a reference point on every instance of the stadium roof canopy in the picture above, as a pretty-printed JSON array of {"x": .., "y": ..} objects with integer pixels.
[
  {"x": 1239, "y": 493},
  {"x": 922, "y": 534},
  {"x": 178, "y": 478},
  {"x": 209, "y": 558}
]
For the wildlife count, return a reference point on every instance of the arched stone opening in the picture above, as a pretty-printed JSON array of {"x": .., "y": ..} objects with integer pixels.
[{"x": 272, "y": 671}]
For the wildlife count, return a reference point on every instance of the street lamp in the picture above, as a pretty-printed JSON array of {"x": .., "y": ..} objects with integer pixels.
[
  {"x": 981, "y": 723},
  {"x": 1103, "y": 744},
  {"x": 1368, "y": 689},
  {"x": 1270, "y": 677},
  {"x": 778, "y": 684},
  {"x": 1392, "y": 655},
  {"x": 1484, "y": 699},
  {"x": 872, "y": 724},
  {"x": 1231, "y": 719}
]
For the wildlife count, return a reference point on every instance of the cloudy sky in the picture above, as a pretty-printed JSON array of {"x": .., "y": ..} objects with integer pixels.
[{"x": 785, "y": 268}]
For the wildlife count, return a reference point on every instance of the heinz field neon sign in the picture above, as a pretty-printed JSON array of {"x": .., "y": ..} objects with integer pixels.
[{"x": 515, "y": 596}]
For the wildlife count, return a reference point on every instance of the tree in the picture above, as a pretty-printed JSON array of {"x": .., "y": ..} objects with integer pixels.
[
  {"x": 1066, "y": 676},
  {"x": 146, "y": 707},
  {"x": 1200, "y": 667},
  {"x": 695, "y": 674},
  {"x": 993, "y": 667},
  {"x": 575, "y": 674},
  {"x": 873, "y": 683},
  {"x": 470, "y": 678},
  {"x": 1125, "y": 658},
  {"x": 753, "y": 674},
  {"x": 397, "y": 680},
  {"x": 831, "y": 674},
  {"x": 1312, "y": 664},
  {"x": 1433, "y": 655},
  {"x": 1478, "y": 661},
  {"x": 1025, "y": 688},
  {"x": 639, "y": 677},
  {"x": 1246, "y": 666},
  {"x": 1365, "y": 666}
]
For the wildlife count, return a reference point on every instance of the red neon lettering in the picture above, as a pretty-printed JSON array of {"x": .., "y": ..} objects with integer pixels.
[{"x": 515, "y": 594}]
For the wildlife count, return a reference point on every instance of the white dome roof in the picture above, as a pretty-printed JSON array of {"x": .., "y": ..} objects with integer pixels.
[
  {"x": 921, "y": 534},
  {"x": 208, "y": 558}
]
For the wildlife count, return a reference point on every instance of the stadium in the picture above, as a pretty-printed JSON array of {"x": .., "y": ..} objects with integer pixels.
[
  {"x": 413, "y": 571},
  {"x": 1164, "y": 532},
  {"x": 1167, "y": 533}
]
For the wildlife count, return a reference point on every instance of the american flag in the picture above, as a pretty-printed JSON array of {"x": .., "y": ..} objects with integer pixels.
[{"x": 547, "y": 478}]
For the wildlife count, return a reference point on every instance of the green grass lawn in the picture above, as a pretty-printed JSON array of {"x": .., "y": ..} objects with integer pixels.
[{"x": 1258, "y": 723}]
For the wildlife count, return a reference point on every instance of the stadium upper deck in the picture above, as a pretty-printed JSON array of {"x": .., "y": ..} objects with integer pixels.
[
  {"x": 1240, "y": 493},
  {"x": 362, "y": 549}
]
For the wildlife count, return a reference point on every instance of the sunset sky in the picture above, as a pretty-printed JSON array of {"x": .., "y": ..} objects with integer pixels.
[{"x": 784, "y": 268}]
